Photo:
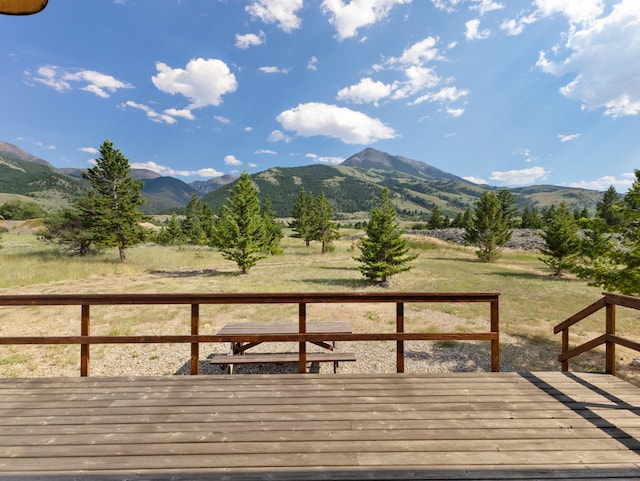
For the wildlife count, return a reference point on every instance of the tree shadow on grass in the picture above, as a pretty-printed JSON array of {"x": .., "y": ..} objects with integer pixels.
[
  {"x": 191, "y": 273},
  {"x": 342, "y": 283}
]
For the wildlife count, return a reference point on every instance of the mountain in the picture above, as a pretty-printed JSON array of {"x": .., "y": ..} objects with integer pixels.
[
  {"x": 205, "y": 186},
  {"x": 353, "y": 187}
]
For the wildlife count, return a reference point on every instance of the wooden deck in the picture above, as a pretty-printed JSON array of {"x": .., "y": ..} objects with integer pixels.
[{"x": 318, "y": 427}]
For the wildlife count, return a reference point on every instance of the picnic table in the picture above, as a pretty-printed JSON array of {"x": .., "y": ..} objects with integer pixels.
[{"x": 253, "y": 329}]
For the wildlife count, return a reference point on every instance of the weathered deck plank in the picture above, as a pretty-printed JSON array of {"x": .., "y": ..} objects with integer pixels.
[{"x": 308, "y": 427}]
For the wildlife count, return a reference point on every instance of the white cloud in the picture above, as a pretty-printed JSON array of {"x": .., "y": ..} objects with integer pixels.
[
  {"x": 231, "y": 160},
  {"x": 312, "y": 64},
  {"x": 420, "y": 52},
  {"x": 171, "y": 172},
  {"x": 45, "y": 146},
  {"x": 278, "y": 136},
  {"x": 265, "y": 151},
  {"x": 473, "y": 32},
  {"x": 252, "y": 165},
  {"x": 347, "y": 18},
  {"x": 418, "y": 79},
  {"x": 62, "y": 80},
  {"x": 184, "y": 113},
  {"x": 515, "y": 27},
  {"x": 476, "y": 180},
  {"x": 455, "y": 112},
  {"x": 486, "y": 6},
  {"x": 603, "y": 60},
  {"x": 366, "y": 91},
  {"x": 273, "y": 70},
  {"x": 325, "y": 159},
  {"x": 221, "y": 119},
  {"x": 576, "y": 11},
  {"x": 281, "y": 12},
  {"x": 350, "y": 126},
  {"x": 248, "y": 129},
  {"x": 445, "y": 94},
  {"x": 89, "y": 150},
  {"x": 249, "y": 40},
  {"x": 520, "y": 177},
  {"x": 568, "y": 137},
  {"x": 447, "y": 5},
  {"x": 151, "y": 113},
  {"x": 202, "y": 81},
  {"x": 603, "y": 183}
]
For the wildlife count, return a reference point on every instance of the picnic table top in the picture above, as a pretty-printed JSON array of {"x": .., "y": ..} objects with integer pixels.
[{"x": 285, "y": 327}]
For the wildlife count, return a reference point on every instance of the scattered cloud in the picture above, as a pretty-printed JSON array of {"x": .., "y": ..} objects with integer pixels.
[
  {"x": 476, "y": 180},
  {"x": 446, "y": 94},
  {"x": 89, "y": 150},
  {"x": 250, "y": 40},
  {"x": 203, "y": 81},
  {"x": 184, "y": 113},
  {"x": 278, "y": 136},
  {"x": 248, "y": 129},
  {"x": 569, "y": 137},
  {"x": 60, "y": 79},
  {"x": 367, "y": 91},
  {"x": 601, "y": 56},
  {"x": 473, "y": 31},
  {"x": 420, "y": 52},
  {"x": 273, "y": 70},
  {"x": 151, "y": 113},
  {"x": 603, "y": 183},
  {"x": 265, "y": 152},
  {"x": 312, "y": 64},
  {"x": 520, "y": 177},
  {"x": 486, "y": 6},
  {"x": 350, "y": 126},
  {"x": 171, "y": 172},
  {"x": 281, "y": 12},
  {"x": 45, "y": 146},
  {"x": 325, "y": 159},
  {"x": 221, "y": 119},
  {"x": 231, "y": 160},
  {"x": 348, "y": 18}
]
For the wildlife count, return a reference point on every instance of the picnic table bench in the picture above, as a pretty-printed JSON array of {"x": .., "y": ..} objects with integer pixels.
[{"x": 238, "y": 354}]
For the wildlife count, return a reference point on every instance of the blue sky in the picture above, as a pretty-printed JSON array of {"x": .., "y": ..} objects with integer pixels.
[{"x": 502, "y": 92}]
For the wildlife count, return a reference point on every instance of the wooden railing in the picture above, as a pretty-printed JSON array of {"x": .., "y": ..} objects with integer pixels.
[
  {"x": 85, "y": 339},
  {"x": 609, "y": 338}
]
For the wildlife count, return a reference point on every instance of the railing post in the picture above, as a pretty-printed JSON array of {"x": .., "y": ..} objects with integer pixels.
[
  {"x": 565, "y": 347},
  {"x": 85, "y": 330},
  {"x": 399, "y": 343},
  {"x": 495, "y": 343},
  {"x": 195, "y": 347},
  {"x": 302, "y": 328},
  {"x": 610, "y": 346}
]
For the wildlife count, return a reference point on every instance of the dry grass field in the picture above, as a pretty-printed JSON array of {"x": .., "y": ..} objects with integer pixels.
[{"x": 531, "y": 300}]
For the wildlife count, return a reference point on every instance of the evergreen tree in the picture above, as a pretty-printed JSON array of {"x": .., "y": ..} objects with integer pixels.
[
  {"x": 239, "y": 233},
  {"x": 489, "y": 228},
  {"x": 171, "y": 233},
  {"x": 196, "y": 224},
  {"x": 70, "y": 228},
  {"x": 531, "y": 218},
  {"x": 114, "y": 203},
  {"x": 437, "y": 220},
  {"x": 609, "y": 208},
  {"x": 561, "y": 240},
  {"x": 272, "y": 229},
  {"x": 508, "y": 207},
  {"x": 324, "y": 229},
  {"x": 611, "y": 259},
  {"x": 303, "y": 215},
  {"x": 384, "y": 250}
]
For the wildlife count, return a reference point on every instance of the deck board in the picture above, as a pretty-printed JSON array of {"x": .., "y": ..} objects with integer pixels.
[{"x": 311, "y": 427}]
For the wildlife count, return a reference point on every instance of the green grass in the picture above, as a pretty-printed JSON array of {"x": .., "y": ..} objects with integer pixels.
[{"x": 531, "y": 300}]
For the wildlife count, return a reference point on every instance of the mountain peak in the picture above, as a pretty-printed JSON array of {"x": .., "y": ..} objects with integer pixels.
[
  {"x": 374, "y": 159},
  {"x": 10, "y": 151}
]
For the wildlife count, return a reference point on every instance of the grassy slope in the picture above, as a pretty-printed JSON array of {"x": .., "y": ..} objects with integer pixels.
[{"x": 531, "y": 301}]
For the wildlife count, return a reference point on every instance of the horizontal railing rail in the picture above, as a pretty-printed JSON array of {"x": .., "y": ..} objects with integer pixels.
[
  {"x": 608, "y": 302},
  {"x": 85, "y": 339}
]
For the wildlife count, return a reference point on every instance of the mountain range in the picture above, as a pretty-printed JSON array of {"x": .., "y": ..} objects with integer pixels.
[{"x": 353, "y": 187}]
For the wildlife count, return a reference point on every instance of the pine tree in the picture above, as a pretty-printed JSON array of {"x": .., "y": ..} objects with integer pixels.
[
  {"x": 561, "y": 240},
  {"x": 114, "y": 203},
  {"x": 611, "y": 256},
  {"x": 272, "y": 229},
  {"x": 531, "y": 218},
  {"x": 70, "y": 229},
  {"x": 609, "y": 208},
  {"x": 437, "y": 220},
  {"x": 303, "y": 214},
  {"x": 239, "y": 233},
  {"x": 489, "y": 228},
  {"x": 171, "y": 233},
  {"x": 324, "y": 229},
  {"x": 508, "y": 206},
  {"x": 384, "y": 251}
]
